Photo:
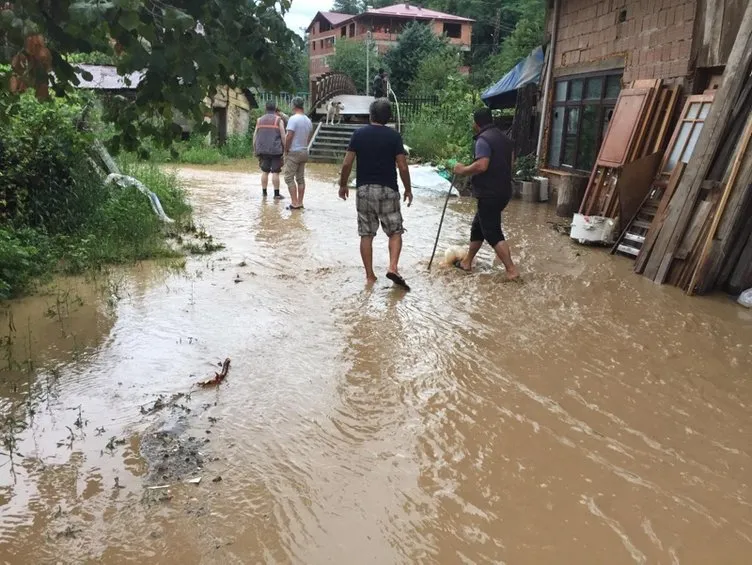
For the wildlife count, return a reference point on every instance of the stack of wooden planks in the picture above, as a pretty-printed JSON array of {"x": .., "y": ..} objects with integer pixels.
[
  {"x": 703, "y": 237},
  {"x": 638, "y": 236},
  {"x": 638, "y": 128}
]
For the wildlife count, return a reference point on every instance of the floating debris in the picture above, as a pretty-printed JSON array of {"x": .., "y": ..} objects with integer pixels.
[{"x": 218, "y": 377}]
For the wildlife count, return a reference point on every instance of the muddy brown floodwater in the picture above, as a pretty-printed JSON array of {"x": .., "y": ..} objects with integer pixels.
[{"x": 586, "y": 416}]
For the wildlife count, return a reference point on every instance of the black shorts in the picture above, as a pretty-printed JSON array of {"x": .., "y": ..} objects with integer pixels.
[
  {"x": 487, "y": 221},
  {"x": 270, "y": 163}
]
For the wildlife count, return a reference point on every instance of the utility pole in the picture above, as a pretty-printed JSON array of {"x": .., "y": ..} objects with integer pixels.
[
  {"x": 496, "y": 33},
  {"x": 368, "y": 62}
]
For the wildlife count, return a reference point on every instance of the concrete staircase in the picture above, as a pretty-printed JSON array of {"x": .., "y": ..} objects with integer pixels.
[{"x": 329, "y": 143}]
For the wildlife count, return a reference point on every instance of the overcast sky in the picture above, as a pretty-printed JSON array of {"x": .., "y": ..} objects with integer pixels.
[{"x": 302, "y": 12}]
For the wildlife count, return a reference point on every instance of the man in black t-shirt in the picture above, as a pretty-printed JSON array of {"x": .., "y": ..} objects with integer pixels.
[{"x": 380, "y": 152}]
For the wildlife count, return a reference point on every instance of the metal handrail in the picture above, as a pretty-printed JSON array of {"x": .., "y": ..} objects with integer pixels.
[{"x": 396, "y": 103}]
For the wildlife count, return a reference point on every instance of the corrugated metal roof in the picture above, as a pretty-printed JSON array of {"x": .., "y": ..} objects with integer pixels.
[
  {"x": 413, "y": 11},
  {"x": 106, "y": 77}
]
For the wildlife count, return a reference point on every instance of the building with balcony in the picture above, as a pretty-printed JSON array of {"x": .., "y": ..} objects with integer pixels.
[{"x": 385, "y": 25}]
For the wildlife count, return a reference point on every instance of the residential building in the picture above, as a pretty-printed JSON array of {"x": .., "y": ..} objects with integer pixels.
[
  {"x": 230, "y": 107},
  {"x": 385, "y": 26},
  {"x": 599, "y": 46}
]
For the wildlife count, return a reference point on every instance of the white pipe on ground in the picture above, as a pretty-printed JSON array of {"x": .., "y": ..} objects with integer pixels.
[{"x": 547, "y": 82}]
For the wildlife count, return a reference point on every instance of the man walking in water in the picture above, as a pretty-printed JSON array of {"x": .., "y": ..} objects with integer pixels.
[
  {"x": 379, "y": 152},
  {"x": 268, "y": 139},
  {"x": 491, "y": 172},
  {"x": 299, "y": 129}
]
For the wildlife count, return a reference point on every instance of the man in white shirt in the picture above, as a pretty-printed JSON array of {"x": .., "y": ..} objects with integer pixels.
[{"x": 299, "y": 130}]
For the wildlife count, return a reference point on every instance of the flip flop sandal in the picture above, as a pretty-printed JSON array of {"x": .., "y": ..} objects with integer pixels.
[
  {"x": 398, "y": 280},
  {"x": 458, "y": 265}
]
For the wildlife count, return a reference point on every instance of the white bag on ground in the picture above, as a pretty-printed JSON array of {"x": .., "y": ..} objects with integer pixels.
[{"x": 745, "y": 298}]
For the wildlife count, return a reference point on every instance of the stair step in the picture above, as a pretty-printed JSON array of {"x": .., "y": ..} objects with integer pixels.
[
  {"x": 641, "y": 224},
  {"x": 634, "y": 237},
  {"x": 327, "y": 137},
  {"x": 628, "y": 250}
]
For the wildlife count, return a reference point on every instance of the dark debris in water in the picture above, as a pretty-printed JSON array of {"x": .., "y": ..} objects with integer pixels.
[
  {"x": 171, "y": 458},
  {"x": 160, "y": 404}
]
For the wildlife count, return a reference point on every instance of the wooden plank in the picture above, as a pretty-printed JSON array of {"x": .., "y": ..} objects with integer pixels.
[
  {"x": 731, "y": 185},
  {"x": 741, "y": 278},
  {"x": 673, "y": 100},
  {"x": 691, "y": 235},
  {"x": 731, "y": 261},
  {"x": 646, "y": 83},
  {"x": 590, "y": 187},
  {"x": 634, "y": 185},
  {"x": 646, "y": 119},
  {"x": 655, "y": 124},
  {"x": 660, "y": 216},
  {"x": 623, "y": 127},
  {"x": 685, "y": 198}
]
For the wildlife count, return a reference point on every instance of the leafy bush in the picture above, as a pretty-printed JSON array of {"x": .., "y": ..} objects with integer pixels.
[
  {"x": 416, "y": 43},
  {"x": 237, "y": 147},
  {"x": 60, "y": 216},
  {"x": 526, "y": 167},
  {"x": 434, "y": 72},
  {"x": 201, "y": 155},
  {"x": 24, "y": 255},
  {"x": 434, "y": 137},
  {"x": 195, "y": 151},
  {"x": 45, "y": 179}
]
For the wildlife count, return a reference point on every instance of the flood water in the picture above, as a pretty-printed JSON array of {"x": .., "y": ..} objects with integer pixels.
[{"x": 586, "y": 416}]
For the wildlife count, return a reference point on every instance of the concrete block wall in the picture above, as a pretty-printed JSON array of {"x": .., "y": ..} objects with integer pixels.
[{"x": 653, "y": 37}]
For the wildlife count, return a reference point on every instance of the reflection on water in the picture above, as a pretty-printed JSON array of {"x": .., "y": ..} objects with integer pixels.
[{"x": 585, "y": 416}]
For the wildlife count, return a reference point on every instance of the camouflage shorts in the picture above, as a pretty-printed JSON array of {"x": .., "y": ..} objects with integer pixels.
[{"x": 378, "y": 204}]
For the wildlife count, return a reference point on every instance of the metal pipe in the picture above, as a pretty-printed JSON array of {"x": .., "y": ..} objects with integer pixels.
[{"x": 547, "y": 83}]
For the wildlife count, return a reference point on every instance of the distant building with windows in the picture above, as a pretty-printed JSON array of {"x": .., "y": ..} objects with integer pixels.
[{"x": 385, "y": 25}]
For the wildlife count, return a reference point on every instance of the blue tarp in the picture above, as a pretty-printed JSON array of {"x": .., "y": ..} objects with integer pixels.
[{"x": 503, "y": 94}]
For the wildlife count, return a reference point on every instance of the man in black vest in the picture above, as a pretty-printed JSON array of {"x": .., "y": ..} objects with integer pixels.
[{"x": 491, "y": 173}]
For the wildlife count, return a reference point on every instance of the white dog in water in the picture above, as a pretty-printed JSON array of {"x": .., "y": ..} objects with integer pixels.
[
  {"x": 334, "y": 111},
  {"x": 452, "y": 254}
]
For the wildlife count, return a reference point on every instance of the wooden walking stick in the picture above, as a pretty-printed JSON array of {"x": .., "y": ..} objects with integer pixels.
[{"x": 441, "y": 222}]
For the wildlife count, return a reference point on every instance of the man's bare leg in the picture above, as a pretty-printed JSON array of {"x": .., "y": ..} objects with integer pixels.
[
  {"x": 467, "y": 262},
  {"x": 301, "y": 194},
  {"x": 395, "y": 249},
  {"x": 366, "y": 253},
  {"x": 275, "y": 182},
  {"x": 294, "y": 194},
  {"x": 264, "y": 182},
  {"x": 505, "y": 256}
]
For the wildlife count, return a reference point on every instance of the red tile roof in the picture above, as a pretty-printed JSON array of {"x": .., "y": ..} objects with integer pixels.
[
  {"x": 335, "y": 18},
  {"x": 410, "y": 11},
  {"x": 413, "y": 11}
]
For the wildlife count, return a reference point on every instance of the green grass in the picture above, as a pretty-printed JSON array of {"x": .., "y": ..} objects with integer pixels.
[
  {"x": 196, "y": 151},
  {"x": 122, "y": 229}
]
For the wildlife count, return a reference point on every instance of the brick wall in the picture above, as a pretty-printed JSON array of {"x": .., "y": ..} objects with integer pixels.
[{"x": 653, "y": 38}]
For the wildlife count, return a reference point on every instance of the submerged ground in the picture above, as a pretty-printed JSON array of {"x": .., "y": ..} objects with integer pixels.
[{"x": 585, "y": 416}]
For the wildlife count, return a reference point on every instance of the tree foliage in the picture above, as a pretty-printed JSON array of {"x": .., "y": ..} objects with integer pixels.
[
  {"x": 350, "y": 58},
  {"x": 494, "y": 21},
  {"x": 187, "y": 48},
  {"x": 434, "y": 73},
  {"x": 416, "y": 43},
  {"x": 526, "y": 36},
  {"x": 347, "y": 6}
]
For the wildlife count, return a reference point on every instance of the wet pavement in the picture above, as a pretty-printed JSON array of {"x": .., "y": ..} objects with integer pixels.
[{"x": 585, "y": 416}]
